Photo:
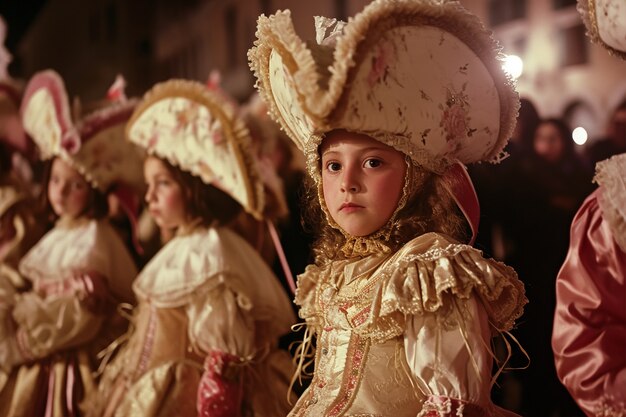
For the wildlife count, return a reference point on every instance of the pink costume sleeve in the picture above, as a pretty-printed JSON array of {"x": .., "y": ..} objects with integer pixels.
[{"x": 589, "y": 337}]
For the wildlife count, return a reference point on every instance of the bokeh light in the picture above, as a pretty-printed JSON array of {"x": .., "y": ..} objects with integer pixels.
[
  {"x": 579, "y": 135},
  {"x": 513, "y": 65}
]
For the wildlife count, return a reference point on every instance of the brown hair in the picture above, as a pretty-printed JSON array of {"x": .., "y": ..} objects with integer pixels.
[
  {"x": 429, "y": 208},
  {"x": 203, "y": 201},
  {"x": 97, "y": 206}
]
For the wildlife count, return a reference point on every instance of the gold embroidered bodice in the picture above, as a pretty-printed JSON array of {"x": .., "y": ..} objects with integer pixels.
[{"x": 359, "y": 309}]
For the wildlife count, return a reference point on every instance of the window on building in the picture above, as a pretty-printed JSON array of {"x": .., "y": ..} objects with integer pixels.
[
  {"x": 579, "y": 113},
  {"x": 560, "y": 4},
  {"x": 572, "y": 46},
  {"x": 503, "y": 11}
]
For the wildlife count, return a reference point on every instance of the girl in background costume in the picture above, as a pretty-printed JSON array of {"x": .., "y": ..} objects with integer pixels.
[
  {"x": 80, "y": 270},
  {"x": 210, "y": 312}
]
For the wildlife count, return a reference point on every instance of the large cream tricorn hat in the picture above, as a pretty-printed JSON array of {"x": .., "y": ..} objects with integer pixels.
[
  {"x": 605, "y": 21},
  {"x": 93, "y": 144},
  {"x": 423, "y": 76},
  {"x": 198, "y": 131}
]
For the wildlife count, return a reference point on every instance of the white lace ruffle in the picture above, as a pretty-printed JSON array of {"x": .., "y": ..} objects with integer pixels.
[{"x": 611, "y": 176}]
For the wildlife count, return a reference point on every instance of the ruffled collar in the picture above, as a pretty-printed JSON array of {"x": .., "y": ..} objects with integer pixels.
[
  {"x": 611, "y": 176},
  {"x": 416, "y": 280}
]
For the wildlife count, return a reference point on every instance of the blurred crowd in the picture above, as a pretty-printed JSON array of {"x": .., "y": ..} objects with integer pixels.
[
  {"x": 528, "y": 202},
  {"x": 527, "y": 205}
]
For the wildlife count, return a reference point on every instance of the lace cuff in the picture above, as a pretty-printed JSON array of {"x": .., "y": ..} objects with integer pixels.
[{"x": 437, "y": 406}]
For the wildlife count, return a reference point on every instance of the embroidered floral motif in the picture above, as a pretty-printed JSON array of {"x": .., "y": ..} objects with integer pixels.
[
  {"x": 186, "y": 117},
  {"x": 610, "y": 407},
  {"x": 454, "y": 119},
  {"x": 383, "y": 57},
  {"x": 354, "y": 363}
]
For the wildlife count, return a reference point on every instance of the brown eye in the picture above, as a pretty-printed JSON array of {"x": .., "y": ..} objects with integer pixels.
[
  {"x": 373, "y": 163},
  {"x": 333, "y": 166}
]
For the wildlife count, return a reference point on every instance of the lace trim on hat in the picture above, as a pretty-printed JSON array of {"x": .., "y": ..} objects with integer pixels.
[
  {"x": 276, "y": 33},
  {"x": 232, "y": 125},
  {"x": 611, "y": 176},
  {"x": 587, "y": 11}
]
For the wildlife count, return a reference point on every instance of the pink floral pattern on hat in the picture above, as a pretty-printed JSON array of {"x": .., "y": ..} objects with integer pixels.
[
  {"x": 196, "y": 130},
  {"x": 381, "y": 61}
]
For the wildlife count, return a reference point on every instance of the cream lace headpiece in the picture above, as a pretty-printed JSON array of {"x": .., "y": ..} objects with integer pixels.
[
  {"x": 94, "y": 144},
  {"x": 198, "y": 131},
  {"x": 423, "y": 76},
  {"x": 605, "y": 21}
]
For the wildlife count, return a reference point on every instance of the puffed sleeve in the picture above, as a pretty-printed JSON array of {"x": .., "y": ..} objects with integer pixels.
[
  {"x": 452, "y": 361},
  {"x": 47, "y": 324},
  {"x": 221, "y": 325},
  {"x": 453, "y": 301},
  {"x": 589, "y": 336},
  {"x": 8, "y": 345},
  {"x": 220, "y": 319}
]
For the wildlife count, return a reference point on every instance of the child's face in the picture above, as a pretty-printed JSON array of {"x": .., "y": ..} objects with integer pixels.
[
  {"x": 362, "y": 181},
  {"x": 164, "y": 195},
  {"x": 68, "y": 191}
]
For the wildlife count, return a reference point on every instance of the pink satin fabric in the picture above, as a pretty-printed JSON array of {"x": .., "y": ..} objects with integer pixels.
[
  {"x": 90, "y": 287},
  {"x": 589, "y": 336},
  {"x": 220, "y": 393}
]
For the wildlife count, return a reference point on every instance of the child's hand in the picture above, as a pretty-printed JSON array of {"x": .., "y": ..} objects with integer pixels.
[{"x": 92, "y": 290}]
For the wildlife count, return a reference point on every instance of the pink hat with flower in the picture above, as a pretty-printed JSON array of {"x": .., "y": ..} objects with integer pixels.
[{"x": 94, "y": 144}]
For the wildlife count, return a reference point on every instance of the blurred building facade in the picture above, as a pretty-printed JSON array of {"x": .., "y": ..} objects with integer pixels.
[{"x": 153, "y": 40}]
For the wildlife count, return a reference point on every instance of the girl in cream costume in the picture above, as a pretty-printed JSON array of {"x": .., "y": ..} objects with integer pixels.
[
  {"x": 207, "y": 296},
  {"x": 402, "y": 311},
  {"x": 80, "y": 270}
]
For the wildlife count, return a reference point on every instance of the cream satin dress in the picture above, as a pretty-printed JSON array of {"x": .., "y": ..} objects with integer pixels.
[
  {"x": 406, "y": 334},
  {"x": 206, "y": 289},
  {"x": 79, "y": 272}
]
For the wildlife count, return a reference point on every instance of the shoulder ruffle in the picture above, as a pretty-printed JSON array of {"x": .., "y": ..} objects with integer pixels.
[
  {"x": 82, "y": 246},
  {"x": 418, "y": 282},
  {"x": 306, "y": 290},
  {"x": 610, "y": 177},
  {"x": 182, "y": 266},
  {"x": 190, "y": 266},
  {"x": 421, "y": 278}
]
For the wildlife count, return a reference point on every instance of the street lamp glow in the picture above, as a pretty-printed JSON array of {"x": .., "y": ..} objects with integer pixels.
[
  {"x": 513, "y": 65},
  {"x": 579, "y": 135}
]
